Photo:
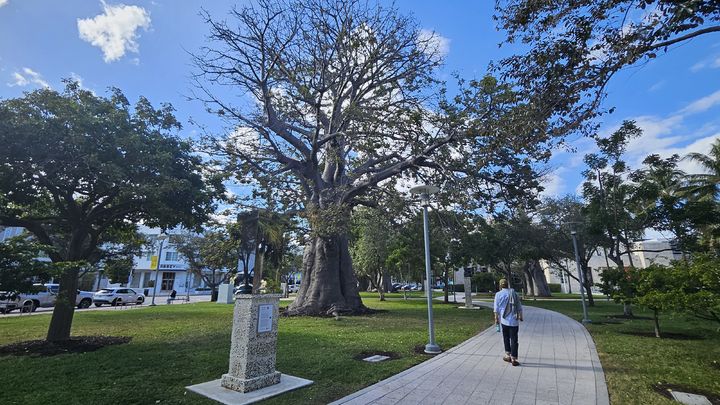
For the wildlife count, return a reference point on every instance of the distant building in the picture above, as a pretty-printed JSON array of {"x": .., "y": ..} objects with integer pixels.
[{"x": 644, "y": 253}]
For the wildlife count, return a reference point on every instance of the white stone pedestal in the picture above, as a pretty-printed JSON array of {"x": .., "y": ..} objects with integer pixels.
[
  {"x": 468, "y": 292},
  {"x": 252, "y": 376},
  {"x": 225, "y": 294},
  {"x": 254, "y": 339}
]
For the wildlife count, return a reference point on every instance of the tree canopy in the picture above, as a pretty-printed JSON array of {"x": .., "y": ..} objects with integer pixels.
[
  {"x": 79, "y": 172},
  {"x": 576, "y": 47},
  {"x": 339, "y": 99}
]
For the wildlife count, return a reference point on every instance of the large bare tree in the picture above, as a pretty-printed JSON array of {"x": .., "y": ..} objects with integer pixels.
[{"x": 328, "y": 102}]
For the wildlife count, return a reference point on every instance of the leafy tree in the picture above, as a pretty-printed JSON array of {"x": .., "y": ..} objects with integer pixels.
[
  {"x": 698, "y": 286},
  {"x": 78, "y": 171},
  {"x": 558, "y": 218},
  {"x": 610, "y": 195},
  {"x": 656, "y": 290},
  {"x": 576, "y": 47},
  {"x": 209, "y": 256},
  {"x": 19, "y": 264},
  {"x": 620, "y": 284},
  {"x": 370, "y": 248},
  {"x": 340, "y": 99}
]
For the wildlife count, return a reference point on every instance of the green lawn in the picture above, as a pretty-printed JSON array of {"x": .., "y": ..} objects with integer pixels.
[
  {"x": 633, "y": 363},
  {"x": 178, "y": 345}
]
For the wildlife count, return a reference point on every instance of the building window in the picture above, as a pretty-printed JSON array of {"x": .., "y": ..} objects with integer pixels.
[
  {"x": 171, "y": 256},
  {"x": 168, "y": 281},
  {"x": 148, "y": 255}
]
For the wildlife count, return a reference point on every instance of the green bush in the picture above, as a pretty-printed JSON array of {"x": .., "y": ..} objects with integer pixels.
[
  {"x": 555, "y": 287},
  {"x": 457, "y": 288}
]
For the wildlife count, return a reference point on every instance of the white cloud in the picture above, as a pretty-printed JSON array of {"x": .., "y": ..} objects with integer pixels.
[
  {"x": 433, "y": 43},
  {"x": 712, "y": 62},
  {"x": 27, "y": 77},
  {"x": 702, "y": 104},
  {"x": 114, "y": 31},
  {"x": 553, "y": 183},
  {"x": 3, "y": 2},
  {"x": 657, "y": 86}
]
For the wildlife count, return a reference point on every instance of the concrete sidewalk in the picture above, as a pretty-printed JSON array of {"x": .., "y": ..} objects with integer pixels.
[{"x": 559, "y": 365}]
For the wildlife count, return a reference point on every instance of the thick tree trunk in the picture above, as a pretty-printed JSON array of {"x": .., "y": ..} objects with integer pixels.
[
  {"x": 61, "y": 321},
  {"x": 627, "y": 310},
  {"x": 329, "y": 284},
  {"x": 542, "y": 289}
]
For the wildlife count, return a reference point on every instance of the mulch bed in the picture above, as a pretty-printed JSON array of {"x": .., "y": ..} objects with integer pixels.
[
  {"x": 664, "y": 390},
  {"x": 368, "y": 353},
  {"x": 638, "y": 318},
  {"x": 665, "y": 335},
  {"x": 76, "y": 344}
]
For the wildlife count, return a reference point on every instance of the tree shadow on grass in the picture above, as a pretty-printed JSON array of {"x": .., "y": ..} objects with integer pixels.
[
  {"x": 76, "y": 344},
  {"x": 665, "y": 335}
]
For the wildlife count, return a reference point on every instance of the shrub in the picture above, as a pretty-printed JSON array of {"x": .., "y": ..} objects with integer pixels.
[{"x": 555, "y": 287}]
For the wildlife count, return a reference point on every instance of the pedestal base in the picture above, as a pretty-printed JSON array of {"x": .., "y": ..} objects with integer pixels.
[
  {"x": 213, "y": 390},
  {"x": 251, "y": 384}
]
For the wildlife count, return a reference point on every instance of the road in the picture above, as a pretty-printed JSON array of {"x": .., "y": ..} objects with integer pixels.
[{"x": 159, "y": 300}]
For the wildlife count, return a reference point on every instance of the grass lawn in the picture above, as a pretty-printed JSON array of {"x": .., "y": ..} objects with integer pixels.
[
  {"x": 178, "y": 345},
  {"x": 634, "y": 363}
]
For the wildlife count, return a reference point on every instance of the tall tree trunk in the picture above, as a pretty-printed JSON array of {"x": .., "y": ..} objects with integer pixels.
[
  {"x": 657, "y": 323},
  {"x": 527, "y": 275},
  {"x": 257, "y": 276},
  {"x": 445, "y": 281},
  {"x": 587, "y": 285},
  {"x": 329, "y": 284},
  {"x": 64, "y": 310},
  {"x": 541, "y": 285}
]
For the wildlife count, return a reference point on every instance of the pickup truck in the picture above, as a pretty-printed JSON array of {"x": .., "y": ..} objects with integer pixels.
[{"x": 41, "y": 295}]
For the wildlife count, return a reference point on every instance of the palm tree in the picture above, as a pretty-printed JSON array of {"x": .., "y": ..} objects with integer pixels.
[
  {"x": 270, "y": 228},
  {"x": 705, "y": 186}
]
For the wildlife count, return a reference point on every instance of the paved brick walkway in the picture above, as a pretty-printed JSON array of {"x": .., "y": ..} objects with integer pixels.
[{"x": 561, "y": 366}]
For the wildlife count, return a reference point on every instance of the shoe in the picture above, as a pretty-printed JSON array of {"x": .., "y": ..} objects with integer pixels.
[
  {"x": 507, "y": 358},
  {"x": 515, "y": 362}
]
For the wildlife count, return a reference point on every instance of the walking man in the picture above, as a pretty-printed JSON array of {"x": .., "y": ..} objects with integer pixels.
[{"x": 508, "y": 313}]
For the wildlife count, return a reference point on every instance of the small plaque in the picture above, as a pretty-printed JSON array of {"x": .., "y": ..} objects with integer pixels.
[
  {"x": 376, "y": 358},
  {"x": 265, "y": 318}
]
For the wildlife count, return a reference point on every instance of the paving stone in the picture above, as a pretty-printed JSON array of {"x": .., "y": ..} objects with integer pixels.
[{"x": 559, "y": 365}]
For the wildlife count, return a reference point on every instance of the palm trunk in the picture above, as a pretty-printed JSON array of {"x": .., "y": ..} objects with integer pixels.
[{"x": 329, "y": 284}]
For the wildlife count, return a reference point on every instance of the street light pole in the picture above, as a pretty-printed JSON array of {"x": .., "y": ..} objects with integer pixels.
[
  {"x": 425, "y": 192},
  {"x": 580, "y": 278},
  {"x": 161, "y": 238}
]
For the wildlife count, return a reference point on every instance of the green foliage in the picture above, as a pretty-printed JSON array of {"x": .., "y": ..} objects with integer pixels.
[
  {"x": 19, "y": 264},
  {"x": 620, "y": 284},
  {"x": 572, "y": 49},
  {"x": 696, "y": 286},
  {"x": 118, "y": 270},
  {"x": 555, "y": 287},
  {"x": 80, "y": 171},
  {"x": 484, "y": 282}
]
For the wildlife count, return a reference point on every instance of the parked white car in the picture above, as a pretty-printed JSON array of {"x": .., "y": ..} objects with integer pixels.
[
  {"x": 40, "y": 296},
  {"x": 293, "y": 288},
  {"x": 117, "y": 296}
]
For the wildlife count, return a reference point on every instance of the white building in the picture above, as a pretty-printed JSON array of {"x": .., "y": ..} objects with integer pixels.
[
  {"x": 169, "y": 269},
  {"x": 644, "y": 253}
]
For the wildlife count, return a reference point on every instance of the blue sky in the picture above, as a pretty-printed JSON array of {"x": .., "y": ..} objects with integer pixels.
[{"x": 675, "y": 98}]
